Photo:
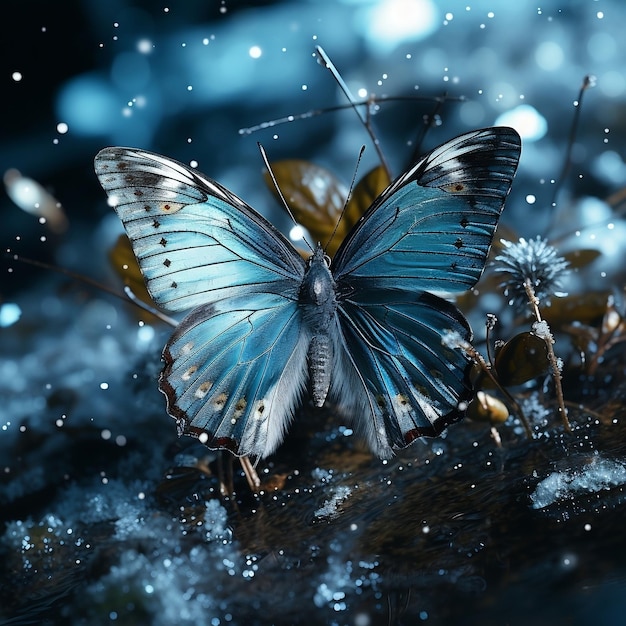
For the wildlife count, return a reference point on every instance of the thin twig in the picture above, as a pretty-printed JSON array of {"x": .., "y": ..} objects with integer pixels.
[
  {"x": 554, "y": 364},
  {"x": 477, "y": 357}
]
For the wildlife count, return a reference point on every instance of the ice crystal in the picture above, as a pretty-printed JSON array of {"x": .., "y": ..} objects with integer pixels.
[
  {"x": 533, "y": 260},
  {"x": 601, "y": 474}
]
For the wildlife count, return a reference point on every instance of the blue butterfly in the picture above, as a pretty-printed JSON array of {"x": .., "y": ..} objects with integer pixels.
[{"x": 366, "y": 330}]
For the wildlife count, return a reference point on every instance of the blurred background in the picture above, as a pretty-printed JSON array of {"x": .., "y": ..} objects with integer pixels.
[
  {"x": 86, "y": 446},
  {"x": 183, "y": 79}
]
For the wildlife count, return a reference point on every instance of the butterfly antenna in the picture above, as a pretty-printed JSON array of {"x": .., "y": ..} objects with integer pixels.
[
  {"x": 345, "y": 204},
  {"x": 278, "y": 190},
  {"x": 365, "y": 119},
  {"x": 126, "y": 296}
]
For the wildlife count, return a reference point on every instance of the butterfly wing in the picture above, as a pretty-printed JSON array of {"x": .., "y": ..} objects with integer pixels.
[
  {"x": 431, "y": 229},
  {"x": 235, "y": 366},
  {"x": 234, "y": 372},
  {"x": 196, "y": 242},
  {"x": 397, "y": 374}
]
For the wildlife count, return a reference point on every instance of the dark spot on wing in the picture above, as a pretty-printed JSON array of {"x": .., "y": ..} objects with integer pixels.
[
  {"x": 163, "y": 241},
  {"x": 156, "y": 223},
  {"x": 458, "y": 243},
  {"x": 464, "y": 222},
  {"x": 167, "y": 262},
  {"x": 142, "y": 179}
]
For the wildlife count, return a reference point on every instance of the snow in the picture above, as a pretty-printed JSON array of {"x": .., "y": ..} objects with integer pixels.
[
  {"x": 601, "y": 474},
  {"x": 330, "y": 508}
]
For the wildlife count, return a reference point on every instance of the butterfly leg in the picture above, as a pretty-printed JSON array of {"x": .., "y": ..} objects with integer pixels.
[
  {"x": 224, "y": 464},
  {"x": 251, "y": 474}
]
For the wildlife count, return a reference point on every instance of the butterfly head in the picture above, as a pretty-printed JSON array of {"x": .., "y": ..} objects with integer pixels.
[
  {"x": 318, "y": 286},
  {"x": 319, "y": 256}
]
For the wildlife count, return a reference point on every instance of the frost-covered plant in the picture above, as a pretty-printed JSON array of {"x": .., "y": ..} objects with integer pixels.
[
  {"x": 534, "y": 261},
  {"x": 533, "y": 271}
]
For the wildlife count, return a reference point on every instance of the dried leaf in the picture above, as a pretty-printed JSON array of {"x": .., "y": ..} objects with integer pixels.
[
  {"x": 125, "y": 264},
  {"x": 363, "y": 195},
  {"x": 582, "y": 258},
  {"x": 584, "y": 308},
  {"x": 314, "y": 195},
  {"x": 521, "y": 359},
  {"x": 316, "y": 198}
]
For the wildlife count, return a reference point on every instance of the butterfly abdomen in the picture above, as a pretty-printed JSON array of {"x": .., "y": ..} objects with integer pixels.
[
  {"x": 318, "y": 303},
  {"x": 320, "y": 366}
]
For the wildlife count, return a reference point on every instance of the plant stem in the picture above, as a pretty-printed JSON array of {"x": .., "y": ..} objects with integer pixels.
[
  {"x": 477, "y": 357},
  {"x": 554, "y": 366}
]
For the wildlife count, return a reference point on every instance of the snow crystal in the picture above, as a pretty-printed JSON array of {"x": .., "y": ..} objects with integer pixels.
[
  {"x": 541, "y": 329},
  {"x": 322, "y": 475},
  {"x": 330, "y": 506},
  {"x": 599, "y": 475},
  {"x": 216, "y": 522}
]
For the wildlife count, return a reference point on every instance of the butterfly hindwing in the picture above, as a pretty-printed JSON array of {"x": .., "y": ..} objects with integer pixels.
[
  {"x": 431, "y": 229},
  {"x": 401, "y": 381},
  {"x": 195, "y": 241},
  {"x": 234, "y": 372}
]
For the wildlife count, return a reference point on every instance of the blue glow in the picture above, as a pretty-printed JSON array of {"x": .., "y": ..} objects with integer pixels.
[
  {"x": 549, "y": 56},
  {"x": 131, "y": 71},
  {"x": 89, "y": 105},
  {"x": 9, "y": 314},
  {"x": 526, "y": 120},
  {"x": 389, "y": 23},
  {"x": 609, "y": 166}
]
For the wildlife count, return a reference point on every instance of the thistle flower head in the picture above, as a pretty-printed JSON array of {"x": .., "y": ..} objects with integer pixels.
[{"x": 535, "y": 261}]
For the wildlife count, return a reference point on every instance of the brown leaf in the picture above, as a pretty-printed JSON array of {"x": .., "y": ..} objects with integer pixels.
[
  {"x": 125, "y": 264},
  {"x": 582, "y": 258},
  {"x": 314, "y": 195},
  {"x": 521, "y": 359},
  {"x": 364, "y": 194}
]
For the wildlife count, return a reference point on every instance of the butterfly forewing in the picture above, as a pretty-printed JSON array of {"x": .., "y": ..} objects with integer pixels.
[
  {"x": 432, "y": 228},
  {"x": 195, "y": 241}
]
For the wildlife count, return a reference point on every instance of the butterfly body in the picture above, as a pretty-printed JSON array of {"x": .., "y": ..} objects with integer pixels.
[
  {"x": 318, "y": 304},
  {"x": 365, "y": 330}
]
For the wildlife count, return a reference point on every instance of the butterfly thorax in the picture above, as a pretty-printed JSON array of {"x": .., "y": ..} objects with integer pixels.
[{"x": 318, "y": 303}]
